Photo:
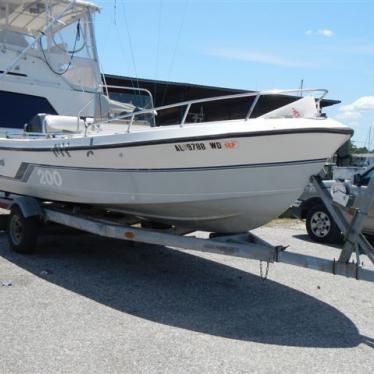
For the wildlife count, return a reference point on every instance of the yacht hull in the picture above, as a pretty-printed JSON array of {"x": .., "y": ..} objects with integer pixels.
[{"x": 219, "y": 182}]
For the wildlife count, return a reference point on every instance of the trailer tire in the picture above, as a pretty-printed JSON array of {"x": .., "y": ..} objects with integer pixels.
[
  {"x": 321, "y": 226},
  {"x": 22, "y": 231},
  {"x": 4, "y": 222},
  {"x": 155, "y": 225}
]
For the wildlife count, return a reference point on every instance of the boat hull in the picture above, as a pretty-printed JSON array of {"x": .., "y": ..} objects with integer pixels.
[{"x": 218, "y": 183}]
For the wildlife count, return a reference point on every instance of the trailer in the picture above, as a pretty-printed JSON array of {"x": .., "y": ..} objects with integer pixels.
[{"x": 27, "y": 213}]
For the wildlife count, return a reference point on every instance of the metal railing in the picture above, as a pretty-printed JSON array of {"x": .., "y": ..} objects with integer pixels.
[
  {"x": 106, "y": 93},
  {"x": 188, "y": 104},
  {"x": 136, "y": 89}
]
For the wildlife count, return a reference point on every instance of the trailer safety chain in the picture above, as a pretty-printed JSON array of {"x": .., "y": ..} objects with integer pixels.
[
  {"x": 263, "y": 275},
  {"x": 278, "y": 249},
  {"x": 358, "y": 270},
  {"x": 334, "y": 266}
]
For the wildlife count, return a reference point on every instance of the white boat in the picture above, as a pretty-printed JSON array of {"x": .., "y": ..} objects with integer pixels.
[{"x": 225, "y": 176}]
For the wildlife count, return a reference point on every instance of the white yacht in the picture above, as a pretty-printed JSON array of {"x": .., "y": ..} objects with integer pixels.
[{"x": 49, "y": 62}]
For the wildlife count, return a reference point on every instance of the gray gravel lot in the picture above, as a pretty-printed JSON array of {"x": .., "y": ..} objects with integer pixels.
[{"x": 84, "y": 304}]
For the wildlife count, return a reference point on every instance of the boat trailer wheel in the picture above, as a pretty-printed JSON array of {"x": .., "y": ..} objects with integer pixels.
[
  {"x": 320, "y": 224},
  {"x": 321, "y": 227},
  {"x": 22, "y": 231},
  {"x": 16, "y": 229}
]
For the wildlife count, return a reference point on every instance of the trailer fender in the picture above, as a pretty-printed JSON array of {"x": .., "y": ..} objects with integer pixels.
[{"x": 29, "y": 206}]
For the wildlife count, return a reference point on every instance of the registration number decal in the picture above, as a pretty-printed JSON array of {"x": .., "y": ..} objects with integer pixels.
[{"x": 229, "y": 144}]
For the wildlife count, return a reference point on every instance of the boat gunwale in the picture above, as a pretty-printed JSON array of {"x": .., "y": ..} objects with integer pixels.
[{"x": 174, "y": 140}]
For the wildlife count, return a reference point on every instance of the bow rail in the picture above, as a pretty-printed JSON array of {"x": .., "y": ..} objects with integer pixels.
[{"x": 188, "y": 104}]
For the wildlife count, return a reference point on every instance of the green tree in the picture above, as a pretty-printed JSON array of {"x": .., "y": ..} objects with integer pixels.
[{"x": 353, "y": 149}]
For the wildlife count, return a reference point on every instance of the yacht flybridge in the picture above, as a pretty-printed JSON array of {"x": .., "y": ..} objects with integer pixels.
[
  {"x": 49, "y": 62},
  {"x": 224, "y": 176}
]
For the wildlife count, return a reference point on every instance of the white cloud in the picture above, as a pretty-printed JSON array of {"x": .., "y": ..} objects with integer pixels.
[
  {"x": 263, "y": 58},
  {"x": 364, "y": 103},
  {"x": 354, "y": 111},
  {"x": 348, "y": 115},
  {"x": 359, "y": 115},
  {"x": 321, "y": 32}
]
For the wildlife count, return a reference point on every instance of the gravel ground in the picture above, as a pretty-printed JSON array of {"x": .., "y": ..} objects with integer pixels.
[{"x": 84, "y": 304}]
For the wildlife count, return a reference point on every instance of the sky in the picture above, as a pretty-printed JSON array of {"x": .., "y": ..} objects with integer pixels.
[{"x": 254, "y": 45}]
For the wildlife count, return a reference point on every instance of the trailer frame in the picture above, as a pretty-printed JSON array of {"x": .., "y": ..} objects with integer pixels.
[{"x": 244, "y": 245}]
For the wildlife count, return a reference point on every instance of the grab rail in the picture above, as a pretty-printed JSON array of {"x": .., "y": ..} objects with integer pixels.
[
  {"x": 189, "y": 103},
  {"x": 105, "y": 87}
]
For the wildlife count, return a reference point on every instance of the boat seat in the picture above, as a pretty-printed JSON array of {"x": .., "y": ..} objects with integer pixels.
[
  {"x": 303, "y": 108},
  {"x": 106, "y": 108},
  {"x": 47, "y": 123}
]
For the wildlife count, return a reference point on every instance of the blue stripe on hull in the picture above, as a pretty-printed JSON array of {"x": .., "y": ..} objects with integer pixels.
[{"x": 26, "y": 169}]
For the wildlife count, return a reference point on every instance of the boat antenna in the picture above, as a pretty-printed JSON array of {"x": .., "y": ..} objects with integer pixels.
[
  {"x": 115, "y": 12},
  {"x": 369, "y": 140},
  {"x": 158, "y": 49},
  {"x": 175, "y": 49},
  {"x": 301, "y": 87},
  {"x": 130, "y": 45}
]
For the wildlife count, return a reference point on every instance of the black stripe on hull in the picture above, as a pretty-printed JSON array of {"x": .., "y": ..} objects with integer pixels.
[{"x": 343, "y": 131}]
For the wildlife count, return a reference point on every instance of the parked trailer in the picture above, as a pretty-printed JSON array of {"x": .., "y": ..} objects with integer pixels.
[{"x": 26, "y": 213}]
